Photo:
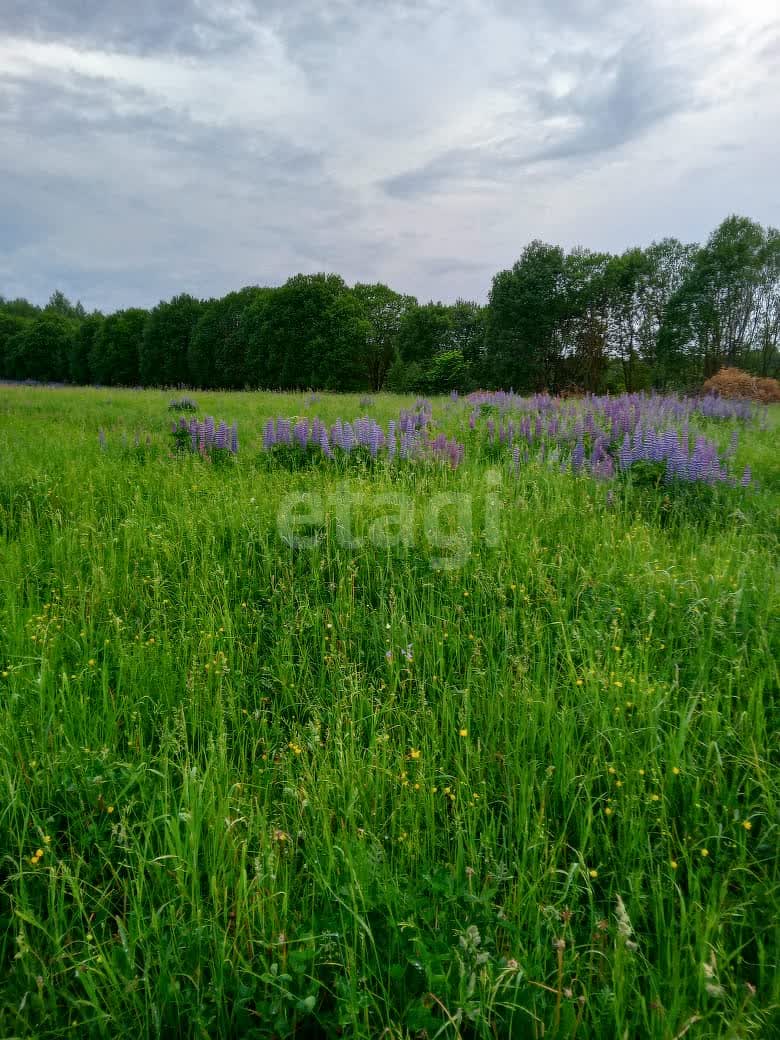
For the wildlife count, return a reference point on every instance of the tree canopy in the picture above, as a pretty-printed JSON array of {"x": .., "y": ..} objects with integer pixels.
[{"x": 668, "y": 315}]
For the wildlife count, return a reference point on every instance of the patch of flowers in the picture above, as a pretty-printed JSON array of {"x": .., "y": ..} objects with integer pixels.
[
  {"x": 183, "y": 404},
  {"x": 626, "y": 407},
  {"x": 606, "y": 436},
  {"x": 406, "y": 438},
  {"x": 205, "y": 436}
]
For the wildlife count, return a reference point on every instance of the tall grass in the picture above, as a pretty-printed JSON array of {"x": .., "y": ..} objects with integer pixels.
[{"x": 257, "y": 790}]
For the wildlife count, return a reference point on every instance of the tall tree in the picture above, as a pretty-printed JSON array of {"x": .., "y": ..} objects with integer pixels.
[
  {"x": 384, "y": 312},
  {"x": 60, "y": 304},
  {"x": 627, "y": 278},
  {"x": 217, "y": 348},
  {"x": 166, "y": 341},
  {"x": 310, "y": 333},
  {"x": 10, "y": 326},
  {"x": 467, "y": 337},
  {"x": 526, "y": 316},
  {"x": 116, "y": 349},
  {"x": 82, "y": 348},
  {"x": 41, "y": 349},
  {"x": 587, "y": 317},
  {"x": 768, "y": 331},
  {"x": 715, "y": 308}
]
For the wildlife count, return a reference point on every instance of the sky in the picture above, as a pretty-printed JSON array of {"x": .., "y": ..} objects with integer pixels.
[{"x": 150, "y": 148}]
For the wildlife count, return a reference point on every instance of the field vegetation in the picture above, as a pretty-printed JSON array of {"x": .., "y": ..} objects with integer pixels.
[{"x": 275, "y": 765}]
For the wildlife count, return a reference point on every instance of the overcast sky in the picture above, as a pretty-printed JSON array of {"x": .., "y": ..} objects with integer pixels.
[{"x": 149, "y": 148}]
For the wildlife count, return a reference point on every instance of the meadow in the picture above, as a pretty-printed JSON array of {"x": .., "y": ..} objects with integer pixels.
[{"x": 274, "y": 765}]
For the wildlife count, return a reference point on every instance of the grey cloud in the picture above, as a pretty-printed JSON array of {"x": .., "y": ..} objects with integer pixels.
[
  {"x": 406, "y": 134},
  {"x": 611, "y": 103},
  {"x": 142, "y": 26},
  {"x": 118, "y": 208},
  {"x": 616, "y": 102}
]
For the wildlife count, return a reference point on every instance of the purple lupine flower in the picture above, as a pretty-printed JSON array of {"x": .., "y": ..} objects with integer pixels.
[
  {"x": 578, "y": 456},
  {"x": 391, "y": 442},
  {"x": 747, "y": 477},
  {"x": 625, "y": 456}
]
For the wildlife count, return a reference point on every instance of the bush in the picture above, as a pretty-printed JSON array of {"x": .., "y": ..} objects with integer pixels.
[{"x": 738, "y": 385}]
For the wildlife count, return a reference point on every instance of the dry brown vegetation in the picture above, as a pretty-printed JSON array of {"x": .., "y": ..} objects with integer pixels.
[{"x": 734, "y": 383}]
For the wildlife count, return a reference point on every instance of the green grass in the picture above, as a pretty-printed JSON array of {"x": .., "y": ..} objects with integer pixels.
[{"x": 254, "y": 824}]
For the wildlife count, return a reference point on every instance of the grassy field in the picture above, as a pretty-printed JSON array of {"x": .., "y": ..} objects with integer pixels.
[{"x": 513, "y": 777}]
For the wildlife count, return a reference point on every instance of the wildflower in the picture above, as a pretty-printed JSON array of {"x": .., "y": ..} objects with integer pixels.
[
  {"x": 91, "y": 662},
  {"x": 747, "y": 825},
  {"x": 593, "y": 873},
  {"x": 608, "y": 811},
  {"x": 415, "y": 753},
  {"x": 109, "y": 809},
  {"x": 705, "y": 852},
  {"x": 463, "y": 732},
  {"x": 673, "y": 864},
  {"x": 676, "y": 771}
]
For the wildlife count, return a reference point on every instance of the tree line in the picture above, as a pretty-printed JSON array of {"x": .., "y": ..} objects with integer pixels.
[{"x": 666, "y": 316}]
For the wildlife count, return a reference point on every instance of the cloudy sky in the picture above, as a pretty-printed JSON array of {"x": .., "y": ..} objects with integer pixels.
[{"x": 149, "y": 148}]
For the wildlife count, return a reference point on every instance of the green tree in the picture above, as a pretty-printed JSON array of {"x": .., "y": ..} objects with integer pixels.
[
  {"x": 384, "y": 312},
  {"x": 19, "y": 307},
  {"x": 627, "y": 279},
  {"x": 587, "y": 313},
  {"x": 166, "y": 339},
  {"x": 217, "y": 349},
  {"x": 526, "y": 318},
  {"x": 11, "y": 325},
  {"x": 41, "y": 349},
  {"x": 714, "y": 316},
  {"x": 114, "y": 358},
  {"x": 82, "y": 347},
  {"x": 424, "y": 331},
  {"x": 768, "y": 327},
  {"x": 467, "y": 336},
  {"x": 60, "y": 304},
  {"x": 310, "y": 333}
]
